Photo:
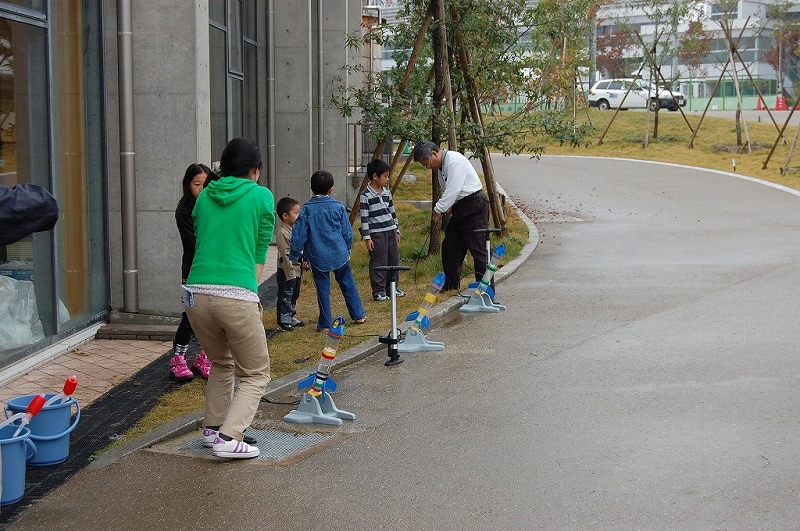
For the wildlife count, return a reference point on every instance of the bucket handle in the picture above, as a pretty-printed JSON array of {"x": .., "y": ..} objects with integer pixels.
[
  {"x": 63, "y": 433},
  {"x": 31, "y": 447}
]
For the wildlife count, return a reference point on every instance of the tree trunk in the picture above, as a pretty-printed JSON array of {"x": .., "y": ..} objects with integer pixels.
[
  {"x": 409, "y": 68},
  {"x": 473, "y": 107},
  {"x": 444, "y": 64},
  {"x": 437, "y": 6}
]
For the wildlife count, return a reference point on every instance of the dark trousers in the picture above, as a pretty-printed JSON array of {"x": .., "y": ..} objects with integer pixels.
[
  {"x": 468, "y": 214},
  {"x": 184, "y": 333},
  {"x": 288, "y": 293},
  {"x": 385, "y": 252}
]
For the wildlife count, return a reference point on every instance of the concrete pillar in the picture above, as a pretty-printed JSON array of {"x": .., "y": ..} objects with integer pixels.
[{"x": 172, "y": 123}]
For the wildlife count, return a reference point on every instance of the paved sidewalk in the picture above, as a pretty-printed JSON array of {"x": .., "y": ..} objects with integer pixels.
[{"x": 99, "y": 365}]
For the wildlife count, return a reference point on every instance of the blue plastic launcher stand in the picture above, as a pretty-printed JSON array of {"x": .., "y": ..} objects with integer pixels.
[
  {"x": 481, "y": 302},
  {"x": 414, "y": 340},
  {"x": 482, "y": 292},
  {"x": 316, "y": 404},
  {"x": 314, "y": 410}
]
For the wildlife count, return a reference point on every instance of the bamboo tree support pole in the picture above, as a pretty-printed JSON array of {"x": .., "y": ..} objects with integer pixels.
[
  {"x": 400, "y": 148},
  {"x": 663, "y": 79},
  {"x": 714, "y": 91},
  {"x": 441, "y": 33},
  {"x": 780, "y": 135},
  {"x": 409, "y": 68},
  {"x": 616, "y": 112},
  {"x": 708, "y": 104},
  {"x": 399, "y": 178},
  {"x": 498, "y": 214},
  {"x": 729, "y": 37},
  {"x": 656, "y": 38},
  {"x": 791, "y": 153},
  {"x": 735, "y": 75},
  {"x": 434, "y": 236}
]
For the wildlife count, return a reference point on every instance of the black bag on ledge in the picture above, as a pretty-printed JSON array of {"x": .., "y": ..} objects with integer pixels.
[{"x": 25, "y": 209}]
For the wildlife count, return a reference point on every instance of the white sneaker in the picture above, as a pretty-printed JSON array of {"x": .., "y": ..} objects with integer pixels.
[
  {"x": 235, "y": 449},
  {"x": 208, "y": 437}
]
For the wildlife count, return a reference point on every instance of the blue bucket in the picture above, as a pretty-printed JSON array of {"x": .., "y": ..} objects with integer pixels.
[
  {"x": 14, "y": 452},
  {"x": 50, "y": 429}
]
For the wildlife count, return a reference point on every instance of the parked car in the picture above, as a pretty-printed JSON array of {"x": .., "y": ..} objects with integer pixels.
[{"x": 608, "y": 94}]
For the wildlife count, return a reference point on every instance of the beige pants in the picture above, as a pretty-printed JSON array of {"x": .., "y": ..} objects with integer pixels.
[{"x": 232, "y": 334}]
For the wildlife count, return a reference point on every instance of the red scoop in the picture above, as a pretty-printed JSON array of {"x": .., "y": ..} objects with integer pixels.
[
  {"x": 36, "y": 405},
  {"x": 70, "y": 385}
]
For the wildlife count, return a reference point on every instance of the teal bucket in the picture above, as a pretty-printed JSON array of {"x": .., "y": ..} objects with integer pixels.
[
  {"x": 14, "y": 452},
  {"x": 50, "y": 429}
]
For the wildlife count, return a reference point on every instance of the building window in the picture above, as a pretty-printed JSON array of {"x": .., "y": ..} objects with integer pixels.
[
  {"x": 233, "y": 70},
  {"x": 50, "y": 132},
  {"x": 36, "y": 6},
  {"x": 725, "y": 10},
  {"x": 218, "y": 72}
]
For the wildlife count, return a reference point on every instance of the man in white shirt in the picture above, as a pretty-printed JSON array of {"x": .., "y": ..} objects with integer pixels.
[{"x": 468, "y": 206}]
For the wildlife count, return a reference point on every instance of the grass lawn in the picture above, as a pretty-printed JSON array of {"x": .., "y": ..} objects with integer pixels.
[{"x": 714, "y": 147}]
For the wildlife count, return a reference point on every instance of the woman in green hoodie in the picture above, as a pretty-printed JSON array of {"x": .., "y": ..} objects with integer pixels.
[{"x": 234, "y": 219}]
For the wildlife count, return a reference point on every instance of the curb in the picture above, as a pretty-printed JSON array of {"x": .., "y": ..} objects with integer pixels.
[{"x": 284, "y": 384}]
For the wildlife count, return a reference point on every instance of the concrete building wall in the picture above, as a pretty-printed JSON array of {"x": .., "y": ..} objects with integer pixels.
[
  {"x": 340, "y": 19},
  {"x": 294, "y": 98},
  {"x": 297, "y": 97},
  {"x": 171, "y": 120}
]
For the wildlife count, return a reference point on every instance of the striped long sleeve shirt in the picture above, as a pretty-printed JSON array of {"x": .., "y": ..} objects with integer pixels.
[{"x": 377, "y": 212}]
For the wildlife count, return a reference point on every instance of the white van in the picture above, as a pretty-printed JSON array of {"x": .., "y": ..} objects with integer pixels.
[{"x": 608, "y": 94}]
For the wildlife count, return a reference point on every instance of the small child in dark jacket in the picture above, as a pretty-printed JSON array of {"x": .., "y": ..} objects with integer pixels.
[
  {"x": 289, "y": 273},
  {"x": 196, "y": 177},
  {"x": 324, "y": 235}
]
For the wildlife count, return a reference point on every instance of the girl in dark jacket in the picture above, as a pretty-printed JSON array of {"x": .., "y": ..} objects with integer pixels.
[{"x": 197, "y": 176}]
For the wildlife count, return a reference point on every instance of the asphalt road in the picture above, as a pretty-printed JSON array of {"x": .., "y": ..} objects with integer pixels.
[{"x": 645, "y": 375}]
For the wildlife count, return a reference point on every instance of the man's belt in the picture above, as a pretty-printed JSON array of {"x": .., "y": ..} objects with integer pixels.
[{"x": 469, "y": 197}]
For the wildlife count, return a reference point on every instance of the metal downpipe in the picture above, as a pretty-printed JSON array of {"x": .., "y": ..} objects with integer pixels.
[
  {"x": 127, "y": 158},
  {"x": 272, "y": 167},
  {"x": 320, "y": 90}
]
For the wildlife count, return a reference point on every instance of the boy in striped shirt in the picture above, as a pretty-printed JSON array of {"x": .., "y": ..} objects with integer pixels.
[{"x": 379, "y": 228}]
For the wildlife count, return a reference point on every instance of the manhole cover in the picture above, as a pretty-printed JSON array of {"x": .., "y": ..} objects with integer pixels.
[{"x": 275, "y": 445}]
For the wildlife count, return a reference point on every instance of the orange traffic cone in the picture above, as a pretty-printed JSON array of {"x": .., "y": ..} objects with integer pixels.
[
  {"x": 760, "y": 105},
  {"x": 780, "y": 103}
]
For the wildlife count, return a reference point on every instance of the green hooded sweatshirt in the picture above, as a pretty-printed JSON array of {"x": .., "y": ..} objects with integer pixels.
[{"x": 233, "y": 223}]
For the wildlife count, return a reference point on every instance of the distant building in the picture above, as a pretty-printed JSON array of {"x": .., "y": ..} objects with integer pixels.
[{"x": 744, "y": 19}]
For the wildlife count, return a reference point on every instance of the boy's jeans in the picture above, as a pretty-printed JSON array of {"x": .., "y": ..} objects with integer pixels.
[{"x": 344, "y": 277}]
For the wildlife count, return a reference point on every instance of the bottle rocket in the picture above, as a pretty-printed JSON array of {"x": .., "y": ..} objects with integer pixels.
[
  {"x": 420, "y": 317},
  {"x": 32, "y": 410},
  {"x": 69, "y": 388},
  {"x": 319, "y": 381},
  {"x": 316, "y": 404},
  {"x": 491, "y": 268}
]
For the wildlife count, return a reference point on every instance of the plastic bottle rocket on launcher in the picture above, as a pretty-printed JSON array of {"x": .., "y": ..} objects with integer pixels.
[
  {"x": 319, "y": 382},
  {"x": 484, "y": 286},
  {"x": 63, "y": 396},
  {"x": 420, "y": 317},
  {"x": 32, "y": 410}
]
